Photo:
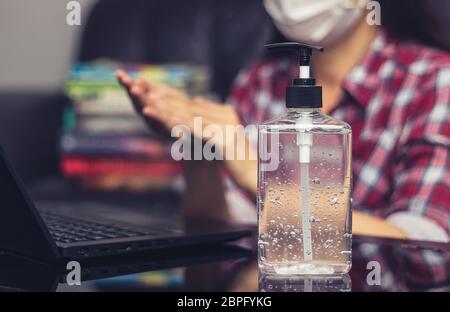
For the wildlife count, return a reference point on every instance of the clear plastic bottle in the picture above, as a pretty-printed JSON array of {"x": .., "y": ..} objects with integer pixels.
[
  {"x": 304, "y": 182},
  {"x": 280, "y": 207}
]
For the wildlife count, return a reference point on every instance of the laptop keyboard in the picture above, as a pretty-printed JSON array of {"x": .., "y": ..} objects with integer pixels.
[{"x": 69, "y": 230}]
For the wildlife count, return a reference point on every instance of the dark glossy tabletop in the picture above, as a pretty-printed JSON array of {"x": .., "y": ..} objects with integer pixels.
[
  {"x": 225, "y": 267},
  {"x": 231, "y": 268}
]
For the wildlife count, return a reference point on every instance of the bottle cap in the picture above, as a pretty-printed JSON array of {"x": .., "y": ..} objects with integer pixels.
[{"x": 303, "y": 93}]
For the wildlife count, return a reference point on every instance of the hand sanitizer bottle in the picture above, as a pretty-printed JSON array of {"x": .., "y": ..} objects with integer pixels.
[{"x": 304, "y": 182}]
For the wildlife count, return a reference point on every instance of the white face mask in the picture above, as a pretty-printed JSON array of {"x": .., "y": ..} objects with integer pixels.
[{"x": 316, "y": 22}]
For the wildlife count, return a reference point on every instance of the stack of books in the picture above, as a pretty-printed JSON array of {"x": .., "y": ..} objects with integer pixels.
[{"x": 105, "y": 144}]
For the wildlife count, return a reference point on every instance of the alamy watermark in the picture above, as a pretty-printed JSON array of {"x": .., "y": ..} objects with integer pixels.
[
  {"x": 374, "y": 7},
  {"x": 73, "y": 17},
  {"x": 74, "y": 275},
  {"x": 232, "y": 142},
  {"x": 374, "y": 16},
  {"x": 374, "y": 276}
]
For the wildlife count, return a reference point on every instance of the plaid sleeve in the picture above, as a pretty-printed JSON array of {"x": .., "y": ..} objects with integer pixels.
[{"x": 422, "y": 176}]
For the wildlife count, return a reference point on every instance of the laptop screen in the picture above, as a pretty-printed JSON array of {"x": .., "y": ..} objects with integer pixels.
[{"x": 22, "y": 230}]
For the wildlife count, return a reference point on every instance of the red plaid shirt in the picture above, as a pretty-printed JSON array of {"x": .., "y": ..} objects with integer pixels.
[{"x": 397, "y": 101}]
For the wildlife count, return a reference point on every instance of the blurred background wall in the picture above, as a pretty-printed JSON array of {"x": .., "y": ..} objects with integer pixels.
[{"x": 36, "y": 44}]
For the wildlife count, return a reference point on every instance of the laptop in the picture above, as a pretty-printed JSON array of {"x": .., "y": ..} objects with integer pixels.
[{"x": 55, "y": 232}]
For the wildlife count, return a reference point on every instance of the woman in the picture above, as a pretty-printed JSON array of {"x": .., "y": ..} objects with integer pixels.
[{"x": 391, "y": 83}]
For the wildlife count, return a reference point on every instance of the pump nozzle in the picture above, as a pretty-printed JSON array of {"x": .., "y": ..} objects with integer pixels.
[
  {"x": 304, "y": 93},
  {"x": 304, "y": 53}
]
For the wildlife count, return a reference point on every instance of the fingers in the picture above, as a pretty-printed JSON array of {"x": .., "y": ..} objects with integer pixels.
[
  {"x": 138, "y": 90},
  {"x": 170, "y": 92},
  {"x": 139, "y": 85},
  {"x": 167, "y": 120},
  {"x": 124, "y": 79},
  {"x": 151, "y": 112},
  {"x": 163, "y": 104},
  {"x": 144, "y": 85}
]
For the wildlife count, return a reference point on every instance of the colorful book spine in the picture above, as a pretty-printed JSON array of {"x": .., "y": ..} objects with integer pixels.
[
  {"x": 118, "y": 145},
  {"x": 91, "y": 167}
]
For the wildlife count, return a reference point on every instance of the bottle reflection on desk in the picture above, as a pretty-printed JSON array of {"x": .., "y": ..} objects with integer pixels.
[{"x": 305, "y": 283}]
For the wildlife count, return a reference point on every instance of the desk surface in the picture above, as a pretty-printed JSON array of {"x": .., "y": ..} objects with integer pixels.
[{"x": 233, "y": 268}]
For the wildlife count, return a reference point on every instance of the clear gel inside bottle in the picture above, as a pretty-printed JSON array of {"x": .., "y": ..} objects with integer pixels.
[{"x": 287, "y": 185}]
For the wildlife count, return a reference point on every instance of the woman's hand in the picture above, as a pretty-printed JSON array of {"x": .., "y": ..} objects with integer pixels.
[
  {"x": 168, "y": 107},
  {"x": 164, "y": 108}
]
